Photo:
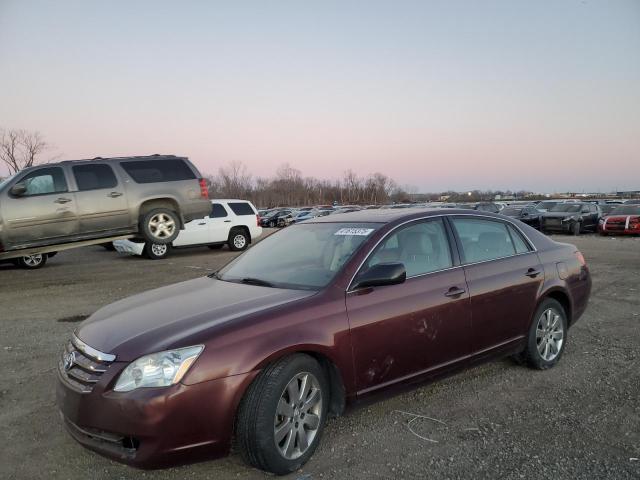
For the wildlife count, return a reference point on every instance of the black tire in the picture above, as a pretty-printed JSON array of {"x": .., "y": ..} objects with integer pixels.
[
  {"x": 238, "y": 239},
  {"x": 532, "y": 355},
  {"x": 217, "y": 246},
  {"x": 156, "y": 251},
  {"x": 167, "y": 226},
  {"x": 272, "y": 224},
  {"x": 257, "y": 414},
  {"x": 32, "y": 262},
  {"x": 575, "y": 228}
]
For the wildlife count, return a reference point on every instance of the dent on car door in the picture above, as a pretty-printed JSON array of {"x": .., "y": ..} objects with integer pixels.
[
  {"x": 400, "y": 331},
  {"x": 45, "y": 210},
  {"x": 504, "y": 276}
]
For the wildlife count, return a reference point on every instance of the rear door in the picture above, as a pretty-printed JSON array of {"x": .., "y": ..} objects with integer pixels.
[
  {"x": 401, "y": 331},
  {"x": 220, "y": 223},
  {"x": 102, "y": 199},
  {"x": 504, "y": 276},
  {"x": 45, "y": 212}
]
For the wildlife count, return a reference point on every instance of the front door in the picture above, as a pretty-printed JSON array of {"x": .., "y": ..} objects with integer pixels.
[
  {"x": 102, "y": 199},
  {"x": 401, "y": 331},
  {"x": 44, "y": 213},
  {"x": 504, "y": 275}
]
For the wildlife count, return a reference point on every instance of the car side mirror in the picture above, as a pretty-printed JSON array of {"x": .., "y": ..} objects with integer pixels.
[
  {"x": 382, "y": 274},
  {"x": 18, "y": 189}
]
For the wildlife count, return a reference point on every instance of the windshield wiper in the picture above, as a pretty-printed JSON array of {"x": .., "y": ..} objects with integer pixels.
[{"x": 256, "y": 281}]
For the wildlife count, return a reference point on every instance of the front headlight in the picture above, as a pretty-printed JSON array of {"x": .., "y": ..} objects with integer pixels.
[{"x": 158, "y": 369}]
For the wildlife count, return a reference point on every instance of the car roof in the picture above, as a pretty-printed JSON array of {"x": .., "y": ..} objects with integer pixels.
[
  {"x": 228, "y": 200},
  {"x": 390, "y": 215}
]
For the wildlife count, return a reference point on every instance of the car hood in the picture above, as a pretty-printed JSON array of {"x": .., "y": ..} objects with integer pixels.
[{"x": 167, "y": 317}]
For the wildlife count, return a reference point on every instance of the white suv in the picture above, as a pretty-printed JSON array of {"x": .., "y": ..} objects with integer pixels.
[{"x": 230, "y": 222}]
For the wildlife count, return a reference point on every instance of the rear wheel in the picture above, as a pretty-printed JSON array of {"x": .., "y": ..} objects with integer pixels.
[
  {"x": 282, "y": 415},
  {"x": 547, "y": 335},
  {"x": 238, "y": 239},
  {"x": 160, "y": 226},
  {"x": 156, "y": 251},
  {"x": 32, "y": 262}
]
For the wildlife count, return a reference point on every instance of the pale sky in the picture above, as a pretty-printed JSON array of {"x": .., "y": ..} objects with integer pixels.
[{"x": 540, "y": 95}]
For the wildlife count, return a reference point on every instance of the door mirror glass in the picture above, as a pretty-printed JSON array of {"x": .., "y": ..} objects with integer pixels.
[
  {"x": 381, "y": 274},
  {"x": 18, "y": 189}
]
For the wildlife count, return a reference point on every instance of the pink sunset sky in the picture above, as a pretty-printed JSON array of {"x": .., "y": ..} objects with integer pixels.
[{"x": 539, "y": 95}]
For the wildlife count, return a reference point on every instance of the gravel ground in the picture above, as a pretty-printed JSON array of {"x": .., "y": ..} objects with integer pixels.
[{"x": 578, "y": 420}]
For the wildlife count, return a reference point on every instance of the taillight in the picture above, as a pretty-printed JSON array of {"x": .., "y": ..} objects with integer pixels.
[
  {"x": 257, "y": 220},
  {"x": 204, "y": 191},
  {"x": 580, "y": 258}
]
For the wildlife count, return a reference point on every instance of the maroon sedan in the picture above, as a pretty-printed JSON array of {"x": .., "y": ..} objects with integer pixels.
[
  {"x": 623, "y": 220},
  {"x": 311, "y": 319}
]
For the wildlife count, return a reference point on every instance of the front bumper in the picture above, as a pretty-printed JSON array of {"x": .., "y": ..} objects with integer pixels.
[
  {"x": 128, "y": 247},
  {"x": 154, "y": 427}
]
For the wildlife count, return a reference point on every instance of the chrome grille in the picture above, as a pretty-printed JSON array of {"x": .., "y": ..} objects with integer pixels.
[{"x": 82, "y": 366}]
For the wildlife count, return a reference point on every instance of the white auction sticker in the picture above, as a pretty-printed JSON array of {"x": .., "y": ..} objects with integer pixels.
[{"x": 363, "y": 232}]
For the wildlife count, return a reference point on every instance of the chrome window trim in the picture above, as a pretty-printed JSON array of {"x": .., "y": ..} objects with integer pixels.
[
  {"x": 90, "y": 351},
  {"x": 506, "y": 220}
]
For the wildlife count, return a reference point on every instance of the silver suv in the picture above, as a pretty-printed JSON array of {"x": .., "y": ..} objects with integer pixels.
[{"x": 73, "y": 203}]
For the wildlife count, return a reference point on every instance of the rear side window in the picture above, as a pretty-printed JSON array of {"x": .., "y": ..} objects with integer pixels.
[
  {"x": 483, "y": 240},
  {"x": 94, "y": 177},
  {"x": 152, "y": 171},
  {"x": 44, "y": 181},
  {"x": 218, "y": 211},
  {"x": 241, "y": 208},
  {"x": 518, "y": 242}
]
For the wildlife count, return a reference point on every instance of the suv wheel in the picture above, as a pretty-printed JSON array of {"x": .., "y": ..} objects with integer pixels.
[
  {"x": 156, "y": 251},
  {"x": 32, "y": 262},
  {"x": 238, "y": 240},
  {"x": 160, "y": 226},
  {"x": 282, "y": 415}
]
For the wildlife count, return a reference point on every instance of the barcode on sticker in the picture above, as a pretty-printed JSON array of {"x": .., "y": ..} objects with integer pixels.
[{"x": 363, "y": 232}]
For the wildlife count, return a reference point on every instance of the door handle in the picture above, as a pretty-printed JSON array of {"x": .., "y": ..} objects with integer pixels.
[
  {"x": 227, "y": 221},
  {"x": 114, "y": 194},
  {"x": 62, "y": 200},
  {"x": 203, "y": 223},
  {"x": 533, "y": 272},
  {"x": 454, "y": 292}
]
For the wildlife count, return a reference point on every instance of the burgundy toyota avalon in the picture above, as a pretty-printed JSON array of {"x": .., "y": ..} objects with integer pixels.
[{"x": 311, "y": 319}]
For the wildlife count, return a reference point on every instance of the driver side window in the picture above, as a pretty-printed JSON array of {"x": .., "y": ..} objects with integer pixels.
[
  {"x": 44, "y": 181},
  {"x": 422, "y": 247}
]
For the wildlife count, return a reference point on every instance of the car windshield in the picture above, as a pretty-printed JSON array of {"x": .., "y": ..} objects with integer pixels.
[
  {"x": 303, "y": 256},
  {"x": 626, "y": 210},
  {"x": 566, "y": 207}
]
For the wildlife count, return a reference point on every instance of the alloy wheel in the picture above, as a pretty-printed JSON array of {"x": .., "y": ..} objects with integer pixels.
[
  {"x": 159, "y": 249},
  {"x": 239, "y": 241},
  {"x": 32, "y": 260},
  {"x": 549, "y": 334},
  {"x": 162, "y": 225},
  {"x": 297, "y": 418}
]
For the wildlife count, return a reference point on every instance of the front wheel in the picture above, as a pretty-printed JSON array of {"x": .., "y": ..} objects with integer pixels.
[
  {"x": 32, "y": 262},
  {"x": 547, "y": 336},
  {"x": 282, "y": 415},
  {"x": 575, "y": 228},
  {"x": 156, "y": 251}
]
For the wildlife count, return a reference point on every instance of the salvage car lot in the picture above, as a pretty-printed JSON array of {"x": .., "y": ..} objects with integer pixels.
[{"x": 578, "y": 420}]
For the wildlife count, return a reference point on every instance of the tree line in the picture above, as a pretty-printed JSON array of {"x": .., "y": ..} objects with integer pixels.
[{"x": 290, "y": 188}]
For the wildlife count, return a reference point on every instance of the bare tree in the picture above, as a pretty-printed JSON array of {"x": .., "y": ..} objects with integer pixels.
[{"x": 20, "y": 149}]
